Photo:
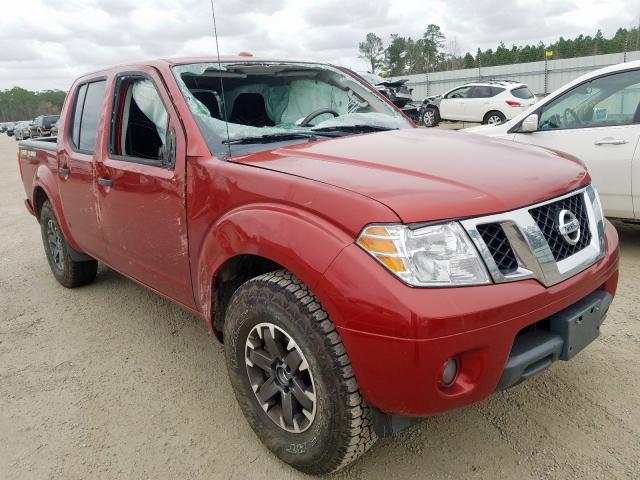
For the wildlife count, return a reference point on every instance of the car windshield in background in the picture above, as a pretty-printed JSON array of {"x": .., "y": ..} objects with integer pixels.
[
  {"x": 258, "y": 103},
  {"x": 50, "y": 120},
  {"x": 522, "y": 92}
]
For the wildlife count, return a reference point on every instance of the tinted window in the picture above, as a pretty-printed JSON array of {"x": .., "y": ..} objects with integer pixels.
[
  {"x": 49, "y": 120},
  {"x": 484, "y": 91},
  {"x": 140, "y": 129},
  {"x": 90, "y": 113},
  {"x": 459, "y": 93},
  {"x": 605, "y": 101},
  {"x": 75, "y": 128},
  {"x": 522, "y": 92}
]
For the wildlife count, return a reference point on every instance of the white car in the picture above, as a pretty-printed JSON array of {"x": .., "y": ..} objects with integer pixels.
[
  {"x": 490, "y": 102},
  {"x": 597, "y": 119}
]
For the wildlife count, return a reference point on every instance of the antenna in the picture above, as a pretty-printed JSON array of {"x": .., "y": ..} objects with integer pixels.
[{"x": 224, "y": 105}]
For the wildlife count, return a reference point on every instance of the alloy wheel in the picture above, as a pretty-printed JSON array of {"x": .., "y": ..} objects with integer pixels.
[
  {"x": 428, "y": 118},
  {"x": 494, "y": 120},
  {"x": 280, "y": 377},
  {"x": 54, "y": 239}
]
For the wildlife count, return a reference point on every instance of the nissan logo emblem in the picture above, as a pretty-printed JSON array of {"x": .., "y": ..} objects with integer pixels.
[{"x": 569, "y": 226}]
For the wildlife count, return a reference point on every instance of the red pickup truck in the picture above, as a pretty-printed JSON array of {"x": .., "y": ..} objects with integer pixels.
[{"x": 360, "y": 271}]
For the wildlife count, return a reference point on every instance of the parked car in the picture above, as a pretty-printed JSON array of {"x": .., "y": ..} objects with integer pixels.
[
  {"x": 396, "y": 90},
  {"x": 10, "y": 128},
  {"x": 54, "y": 129},
  {"x": 41, "y": 125},
  {"x": 3, "y": 128},
  {"x": 490, "y": 102},
  {"x": 22, "y": 131},
  {"x": 596, "y": 118},
  {"x": 356, "y": 282}
]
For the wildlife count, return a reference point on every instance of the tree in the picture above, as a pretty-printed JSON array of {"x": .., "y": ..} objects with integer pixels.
[
  {"x": 469, "y": 61},
  {"x": 432, "y": 42},
  {"x": 372, "y": 50},
  {"x": 395, "y": 56}
]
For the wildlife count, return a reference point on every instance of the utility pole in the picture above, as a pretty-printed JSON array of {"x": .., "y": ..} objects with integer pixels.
[
  {"x": 626, "y": 46},
  {"x": 547, "y": 55}
]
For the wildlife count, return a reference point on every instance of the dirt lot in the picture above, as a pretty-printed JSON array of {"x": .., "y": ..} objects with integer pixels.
[{"x": 111, "y": 381}]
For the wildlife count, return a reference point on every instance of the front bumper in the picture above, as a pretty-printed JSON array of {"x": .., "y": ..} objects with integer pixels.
[{"x": 398, "y": 338}]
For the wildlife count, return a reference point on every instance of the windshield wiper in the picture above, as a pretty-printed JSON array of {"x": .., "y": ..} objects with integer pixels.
[
  {"x": 353, "y": 129},
  {"x": 273, "y": 137}
]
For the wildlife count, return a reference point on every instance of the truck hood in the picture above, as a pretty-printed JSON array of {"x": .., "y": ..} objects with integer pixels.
[{"x": 426, "y": 175}]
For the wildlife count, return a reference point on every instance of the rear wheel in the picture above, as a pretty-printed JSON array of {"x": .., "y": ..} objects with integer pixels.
[
  {"x": 68, "y": 272},
  {"x": 292, "y": 376},
  {"x": 494, "y": 118},
  {"x": 430, "y": 117}
]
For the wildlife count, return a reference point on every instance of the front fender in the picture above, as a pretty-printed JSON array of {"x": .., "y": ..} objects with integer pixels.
[{"x": 300, "y": 241}]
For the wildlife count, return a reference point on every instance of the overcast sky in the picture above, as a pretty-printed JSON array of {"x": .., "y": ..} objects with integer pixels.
[{"x": 46, "y": 44}]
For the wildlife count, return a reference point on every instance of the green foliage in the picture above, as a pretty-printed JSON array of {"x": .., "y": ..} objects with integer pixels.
[
  {"x": 19, "y": 104},
  {"x": 405, "y": 56},
  {"x": 372, "y": 50}
]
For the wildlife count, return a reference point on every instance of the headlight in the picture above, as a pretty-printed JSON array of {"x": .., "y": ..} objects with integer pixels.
[{"x": 432, "y": 256}]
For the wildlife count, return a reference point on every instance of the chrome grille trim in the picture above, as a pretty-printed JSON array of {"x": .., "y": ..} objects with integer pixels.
[{"x": 535, "y": 259}]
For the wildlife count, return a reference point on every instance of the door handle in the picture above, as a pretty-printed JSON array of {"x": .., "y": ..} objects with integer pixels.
[
  {"x": 105, "y": 182},
  {"x": 610, "y": 141},
  {"x": 64, "y": 170}
]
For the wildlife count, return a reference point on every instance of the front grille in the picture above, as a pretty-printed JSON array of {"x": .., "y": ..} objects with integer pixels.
[
  {"x": 546, "y": 216},
  {"x": 499, "y": 247}
]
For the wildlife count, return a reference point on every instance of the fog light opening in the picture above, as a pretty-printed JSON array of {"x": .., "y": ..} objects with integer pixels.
[{"x": 450, "y": 371}]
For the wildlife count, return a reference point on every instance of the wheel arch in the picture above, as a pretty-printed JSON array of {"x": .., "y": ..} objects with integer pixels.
[
  {"x": 251, "y": 241},
  {"x": 495, "y": 110},
  {"x": 45, "y": 188}
]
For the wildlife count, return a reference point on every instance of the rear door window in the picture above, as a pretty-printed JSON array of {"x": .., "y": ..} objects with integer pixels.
[{"x": 88, "y": 106}]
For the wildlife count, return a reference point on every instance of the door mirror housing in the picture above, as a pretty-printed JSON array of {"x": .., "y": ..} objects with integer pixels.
[{"x": 530, "y": 124}]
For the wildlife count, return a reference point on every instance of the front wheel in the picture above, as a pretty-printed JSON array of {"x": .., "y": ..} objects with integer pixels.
[
  {"x": 494, "y": 118},
  {"x": 68, "y": 272},
  {"x": 430, "y": 117},
  {"x": 292, "y": 376}
]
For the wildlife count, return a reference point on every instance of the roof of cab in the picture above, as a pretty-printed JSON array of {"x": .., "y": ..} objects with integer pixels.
[{"x": 186, "y": 60}]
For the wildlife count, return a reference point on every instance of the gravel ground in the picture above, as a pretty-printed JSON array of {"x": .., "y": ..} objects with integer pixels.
[{"x": 111, "y": 381}]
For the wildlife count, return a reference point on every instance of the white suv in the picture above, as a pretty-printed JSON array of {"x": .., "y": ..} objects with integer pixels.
[
  {"x": 490, "y": 102},
  {"x": 597, "y": 119}
]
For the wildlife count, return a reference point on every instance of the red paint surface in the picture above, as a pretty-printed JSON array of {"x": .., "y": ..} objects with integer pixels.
[{"x": 303, "y": 207}]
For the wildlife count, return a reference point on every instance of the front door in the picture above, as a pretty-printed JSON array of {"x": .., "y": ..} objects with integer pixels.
[
  {"x": 141, "y": 187},
  {"x": 453, "y": 104},
  {"x": 598, "y": 122}
]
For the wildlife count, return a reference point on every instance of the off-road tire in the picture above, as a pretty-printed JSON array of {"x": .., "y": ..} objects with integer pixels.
[
  {"x": 73, "y": 273},
  {"x": 341, "y": 430},
  {"x": 430, "y": 117},
  {"x": 494, "y": 114}
]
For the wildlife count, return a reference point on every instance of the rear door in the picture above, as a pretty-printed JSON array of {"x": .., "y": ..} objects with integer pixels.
[
  {"x": 453, "y": 103},
  {"x": 141, "y": 186},
  {"x": 76, "y": 162},
  {"x": 598, "y": 122},
  {"x": 478, "y": 102}
]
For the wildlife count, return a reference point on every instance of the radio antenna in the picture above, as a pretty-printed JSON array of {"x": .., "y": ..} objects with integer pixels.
[{"x": 224, "y": 105}]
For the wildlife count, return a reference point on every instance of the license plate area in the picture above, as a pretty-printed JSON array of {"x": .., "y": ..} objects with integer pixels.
[{"x": 579, "y": 325}]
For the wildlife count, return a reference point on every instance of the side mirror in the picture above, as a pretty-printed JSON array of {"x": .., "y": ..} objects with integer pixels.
[{"x": 530, "y": 124}]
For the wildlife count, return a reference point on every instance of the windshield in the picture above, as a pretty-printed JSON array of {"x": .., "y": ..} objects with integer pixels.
[
  {"x": 238, "y": 102},
  {"x": 50, "y": 120}
]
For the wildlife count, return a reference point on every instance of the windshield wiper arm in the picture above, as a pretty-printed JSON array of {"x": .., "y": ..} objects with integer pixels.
[
  {"x": 273, "y": 137},
  {"x": 353, "y": 128}
]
